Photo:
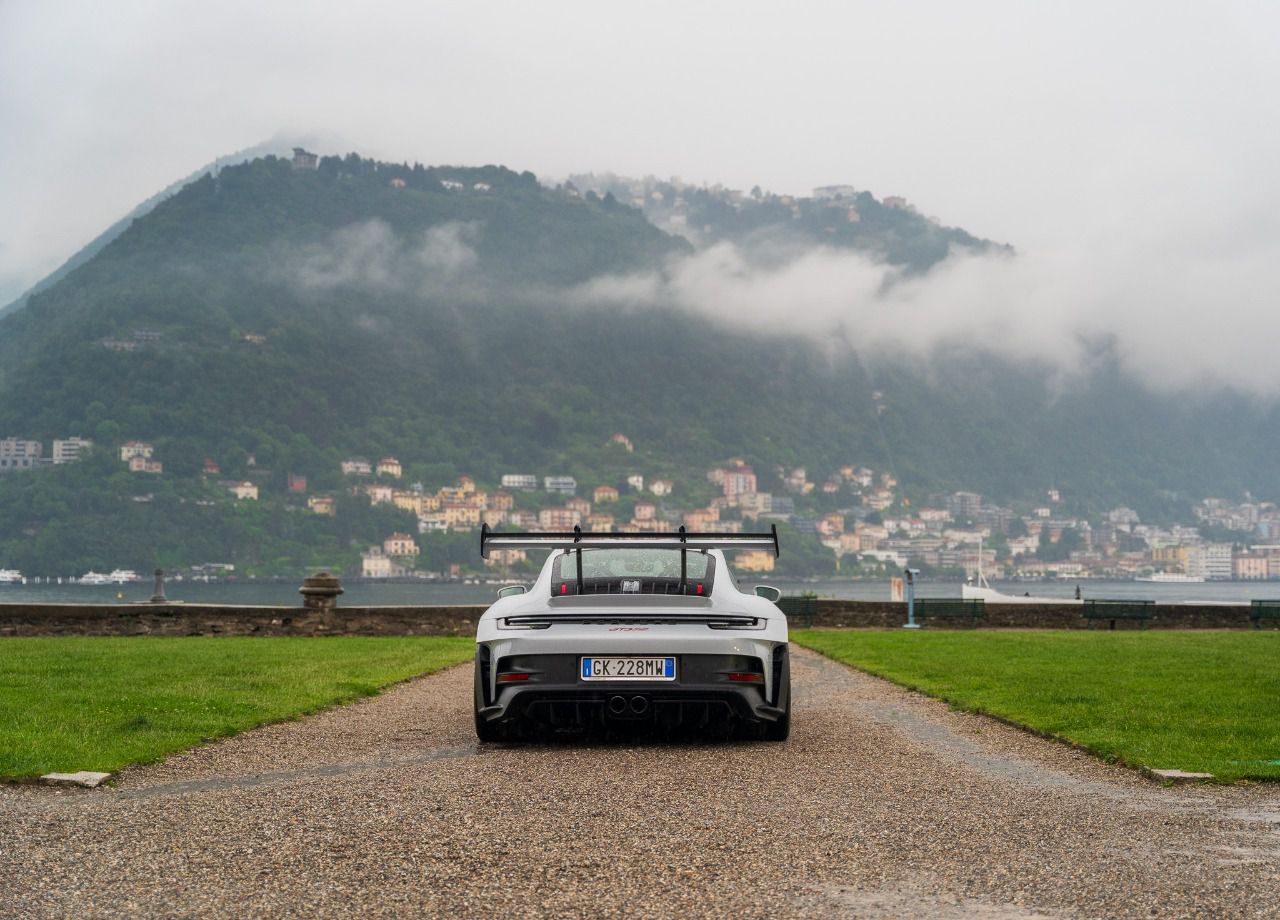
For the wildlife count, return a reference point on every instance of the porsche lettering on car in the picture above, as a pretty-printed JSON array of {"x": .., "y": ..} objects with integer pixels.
[{"x": 627, "y": 631}]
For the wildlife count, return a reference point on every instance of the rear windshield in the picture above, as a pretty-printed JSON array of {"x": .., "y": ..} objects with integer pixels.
[{"x": 622, "y": 571}]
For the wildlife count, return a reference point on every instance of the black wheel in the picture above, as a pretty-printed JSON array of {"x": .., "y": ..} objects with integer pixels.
[
  {"x": 779, "y": 730},
  {"x": 488, "y": 731}
]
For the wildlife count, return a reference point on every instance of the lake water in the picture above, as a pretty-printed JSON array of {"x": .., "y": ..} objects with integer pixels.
[{"x": 391, "y": 594}]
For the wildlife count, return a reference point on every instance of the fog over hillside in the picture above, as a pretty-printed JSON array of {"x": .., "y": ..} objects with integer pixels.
[
  {"x": 1186, "y": 327},
  {"x": 1058, "y": 310},
  {"x": 1126, "y": 152}
]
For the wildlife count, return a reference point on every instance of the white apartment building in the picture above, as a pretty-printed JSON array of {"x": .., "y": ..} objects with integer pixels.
[
  {"x": 376, "y": 564},
  {"x": 19, "y": 454},
  {"x": 524, "y": 481},
  {"x": 1212, "y": 561},
  {"x": 562, "y": 485},
  {"x": 69, "y": 449}
]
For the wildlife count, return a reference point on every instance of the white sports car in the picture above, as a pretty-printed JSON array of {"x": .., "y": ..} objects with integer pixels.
[{"x": 632, "y": 631}]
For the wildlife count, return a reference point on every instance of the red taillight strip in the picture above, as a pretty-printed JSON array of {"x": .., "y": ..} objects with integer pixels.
[
  {"x": 744, "y": 677},
  {"x": 508, "y": 677}
]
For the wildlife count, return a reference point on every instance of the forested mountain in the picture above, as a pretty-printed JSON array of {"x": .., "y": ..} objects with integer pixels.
[
  {"x": 99, "y": 242},
  {"x": 839, "y": 216},
  {"x": 278, "y": 320}
]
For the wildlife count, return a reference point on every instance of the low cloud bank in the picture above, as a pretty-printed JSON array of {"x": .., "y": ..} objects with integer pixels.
[
  {"x": 1180, "y": 317},
  {"x": 369, "y": 255},
  {"x": 1183, "y": 321}
]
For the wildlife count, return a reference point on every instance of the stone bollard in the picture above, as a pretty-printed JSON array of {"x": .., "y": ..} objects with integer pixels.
[
  {"x": 157, "y": 591},
  {"x": 320, "y": 591}
]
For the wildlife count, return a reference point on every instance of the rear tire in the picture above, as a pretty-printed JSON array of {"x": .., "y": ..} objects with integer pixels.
[
  {"x": 488, "y": 731},
  {"x": 778, "y": 730}
]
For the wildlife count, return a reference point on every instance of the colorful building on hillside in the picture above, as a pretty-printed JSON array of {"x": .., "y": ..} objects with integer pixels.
[
  {"x": 131, "y": 449},
  {"x": 400, "y": 544},
  {"x": 322, "y": 504}
]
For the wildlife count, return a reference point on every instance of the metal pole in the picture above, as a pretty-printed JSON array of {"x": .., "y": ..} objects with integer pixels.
[
  {"x": 577, "y": 538},
  {"x": 684, "y": 562},
  {"x": 911, "y": 601}
]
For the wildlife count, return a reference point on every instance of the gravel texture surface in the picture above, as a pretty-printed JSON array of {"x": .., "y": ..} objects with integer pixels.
[{"x": 882, "y": 804}]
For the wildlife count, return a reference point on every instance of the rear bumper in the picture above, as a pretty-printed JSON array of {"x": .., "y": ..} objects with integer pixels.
[{"x": 554, "y": 695}]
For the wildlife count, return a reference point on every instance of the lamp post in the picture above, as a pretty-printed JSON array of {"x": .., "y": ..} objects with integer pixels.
[{"x": 911, "y": 599}]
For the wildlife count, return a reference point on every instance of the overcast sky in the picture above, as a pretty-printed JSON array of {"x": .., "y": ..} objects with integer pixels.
[{"x": 1145, "y": 134}]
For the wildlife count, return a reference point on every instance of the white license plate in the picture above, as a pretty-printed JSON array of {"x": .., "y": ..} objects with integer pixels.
[{"x": 628, "y": 669}]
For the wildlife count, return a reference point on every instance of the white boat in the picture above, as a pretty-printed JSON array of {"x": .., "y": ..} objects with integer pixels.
[
  {"x": 95, "y": 578},
  {"x": 1171, "y": 578},
  {"x": 979, "y": 589},
  {"x": 985, "y": 592},
  {"x": 10, "y": 577},
  {"x": 123, "y": 576}
]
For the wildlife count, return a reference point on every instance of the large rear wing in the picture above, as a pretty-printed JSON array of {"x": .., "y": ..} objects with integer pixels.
[
  {"x": 581, "y": 539},
  {"x": 578, "y": 539}
]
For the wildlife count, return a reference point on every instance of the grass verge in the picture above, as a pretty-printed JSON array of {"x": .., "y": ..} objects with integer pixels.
[
  {"x": 1199, "y": 701},
  {"x": 104, "y": 703}
]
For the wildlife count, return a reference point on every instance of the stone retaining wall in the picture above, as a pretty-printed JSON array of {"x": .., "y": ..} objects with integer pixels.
[
  {"x": 833, "y": 613},
  {"x": 218, "y": 620}
]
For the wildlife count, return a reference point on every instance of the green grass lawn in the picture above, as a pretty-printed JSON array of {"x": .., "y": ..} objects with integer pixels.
[
  {"x": 102, "y": 703},
  {"x": 1199, "y": 701}
]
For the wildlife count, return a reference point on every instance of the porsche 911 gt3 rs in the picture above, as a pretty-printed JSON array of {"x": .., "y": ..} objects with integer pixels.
[{"x": 632, "y": 631}]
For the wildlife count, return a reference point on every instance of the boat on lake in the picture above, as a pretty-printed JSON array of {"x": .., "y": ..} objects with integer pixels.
[
  {"x": 1171, "y": 578},
  {"x": 123, "y": 576},
  {"x": 10, "y": 577},
  {"x": 978, "y": 589},
  {"x": 94, "y": 578},
  {"x": 984, "y": 592}
]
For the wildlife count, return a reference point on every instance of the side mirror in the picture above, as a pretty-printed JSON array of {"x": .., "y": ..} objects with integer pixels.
[
  {"x": 768, "y": 592},
  {"x": 511, "y": 590}
]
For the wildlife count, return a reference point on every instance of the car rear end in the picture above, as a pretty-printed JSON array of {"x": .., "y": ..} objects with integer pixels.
[{"x": 669, "y": 663}]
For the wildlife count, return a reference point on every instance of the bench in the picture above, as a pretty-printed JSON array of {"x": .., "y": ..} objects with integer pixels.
[
  {"x": 949, "y": 609},
  {"x": 805, "y": 606},
  {"x": 1263, "y": 610},
  {"x": 1119, "y": 610}
]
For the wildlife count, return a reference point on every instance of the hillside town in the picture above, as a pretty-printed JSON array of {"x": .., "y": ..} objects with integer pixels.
[
  {"x": 860, "y": 517},
  {"x": 858, "y": 514}
]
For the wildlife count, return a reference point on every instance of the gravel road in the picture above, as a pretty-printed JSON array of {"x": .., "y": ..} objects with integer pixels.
[{"x": 882, "y": 804}]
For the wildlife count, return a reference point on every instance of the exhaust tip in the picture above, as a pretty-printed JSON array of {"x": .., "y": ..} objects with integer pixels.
[
  {"x": 639, "y": 705},
  {"x": 617, "y": 705}
]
